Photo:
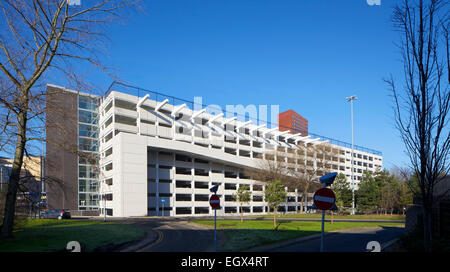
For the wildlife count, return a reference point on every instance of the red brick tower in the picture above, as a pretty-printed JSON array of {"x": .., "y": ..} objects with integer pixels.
[{"x": 290, "y": 120}]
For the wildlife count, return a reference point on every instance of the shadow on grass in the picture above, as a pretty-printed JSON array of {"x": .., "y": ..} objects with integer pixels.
[
  {"x": 47, "y": 235},
  {"x": 243, "y": 239}
]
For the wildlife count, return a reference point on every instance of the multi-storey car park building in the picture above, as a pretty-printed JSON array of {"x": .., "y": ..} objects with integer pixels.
[{"x": 155, "y": 155}]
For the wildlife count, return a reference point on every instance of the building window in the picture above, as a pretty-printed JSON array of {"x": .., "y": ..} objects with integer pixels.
[
  {"x": 87, "y": 144},
  {"x": 87, "y": 131},
  {"x": 87, "y": 117},
  {"x": 183, "y": 197},
  {"x": 201, "y": 210},
  {"x": 201, "y": 197},
  {"x": 87, "y": 103},
  {"x": 182, "y": 171},
  {"x": 183, "y": 184},
  {"x": 183, "y": 210},
  {"x": 125, "y": 120},
  {"x": 124, "y": 104},
  {"x": 201, "y": 172},
  {"x": 201, "y": 185},
  {"x": 230, "y": 210},
  {"x": 230, "y": 186}
]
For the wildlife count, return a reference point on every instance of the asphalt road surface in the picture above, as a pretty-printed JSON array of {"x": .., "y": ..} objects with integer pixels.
[
  {"x": 354, "y": 241},
  {"x": 178, "y": 236}
]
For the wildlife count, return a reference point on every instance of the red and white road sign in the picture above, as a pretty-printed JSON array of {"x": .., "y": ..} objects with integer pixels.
[
  {"x": 324, "y": 199},
  {"x": 214, "y": 201}
]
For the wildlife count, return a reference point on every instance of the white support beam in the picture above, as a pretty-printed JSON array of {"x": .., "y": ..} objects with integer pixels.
[
  {"x": 139, "y": 104},
  {"x": 229, "y": 120},
  {"x": 196, "y": 114},
  {"x": 311, "y": 141},
  {"x": 292, "y": 135},
  {"x": 214, "y": 118},
  {"x": 302, "y": 138},
  {"x": 269, "y": 131},
  {"x": 322, "y": 142},
  {"x": 177, "y": 109},
  {"x": 282, "y": 133},
  {"x": 256, "y": 128},
  {"x": 161, "y": 104},
  {"x": 243, "y": 125}
]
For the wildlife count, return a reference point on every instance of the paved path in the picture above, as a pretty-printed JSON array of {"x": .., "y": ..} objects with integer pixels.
[
  {"x": 350, "y": 240},
  {"x": 171, "y": 235}
]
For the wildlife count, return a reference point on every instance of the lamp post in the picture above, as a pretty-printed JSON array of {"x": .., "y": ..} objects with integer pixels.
[{"x": 351, "y": 98}]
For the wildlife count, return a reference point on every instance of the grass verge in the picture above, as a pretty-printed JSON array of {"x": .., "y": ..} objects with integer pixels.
[
  {"x": 251, "y": 233},
  {"x": 47, "y": 235},
  {"x": 319, "y": 216}
]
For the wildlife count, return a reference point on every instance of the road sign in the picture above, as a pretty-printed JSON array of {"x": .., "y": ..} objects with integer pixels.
[
  {"x": 163, "y": 200},
  {"x": 214, "y": 201},
  {"x": 324, "y": 199}
]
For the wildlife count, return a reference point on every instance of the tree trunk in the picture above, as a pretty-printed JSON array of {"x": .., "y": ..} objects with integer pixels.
[
  {"x": 274, "y": 218},
  {"x": 10, "y": 203},
  {"x": 427, "y": 229},
  {"x": 242, "y": 215}
]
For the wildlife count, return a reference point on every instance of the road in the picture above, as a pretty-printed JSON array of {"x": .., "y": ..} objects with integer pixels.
[
  {"x": 345, "y": 241},
  {"x": 175, "y": 235}
]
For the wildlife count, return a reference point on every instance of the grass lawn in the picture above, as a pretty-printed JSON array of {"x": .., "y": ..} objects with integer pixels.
[
  {"x": 40, "y": 235},
  {"x": 252, "y": 233},
  {"x": 328, "y": 216}
]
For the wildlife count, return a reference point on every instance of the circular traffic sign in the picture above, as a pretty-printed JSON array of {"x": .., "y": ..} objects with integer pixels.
[
  {"x": 324, "y": 199},
  {"x": 214, "y": 201}
]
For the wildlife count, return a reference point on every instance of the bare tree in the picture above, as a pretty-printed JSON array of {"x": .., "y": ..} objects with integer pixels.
[
  {"x": 315, "y": 160},
  {"x": 422, "y": 103},
  {"x": 270, "y": 168},
  {"x": 299, "y": 168},
  {"x": 40, "y": 40}
]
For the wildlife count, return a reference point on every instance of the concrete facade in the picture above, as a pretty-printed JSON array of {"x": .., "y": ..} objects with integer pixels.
[{"x": 156, "y": 158}]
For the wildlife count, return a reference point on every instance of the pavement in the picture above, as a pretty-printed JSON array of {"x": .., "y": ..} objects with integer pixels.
[{"x": 346, "y": 240}]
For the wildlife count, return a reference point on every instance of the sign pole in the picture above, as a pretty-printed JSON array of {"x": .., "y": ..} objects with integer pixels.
[
  {"x": 323, "y": 227},
  {"x": 322, "y": 235},
  {"x": 215, "y": 238},
  {"x": 214, "y": 201}
]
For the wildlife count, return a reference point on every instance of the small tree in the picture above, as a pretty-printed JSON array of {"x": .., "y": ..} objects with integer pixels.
[
  {"x": 342, "y": 191},
  {"x": 389, "y": 196},
  {"x": 242, "y": 196},
  {"x": 274, "y": 196},
  {"x": 368, "y": 194},
  {"x": 405, "y": 197}
]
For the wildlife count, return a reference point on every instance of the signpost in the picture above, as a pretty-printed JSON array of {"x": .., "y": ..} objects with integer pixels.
[
  {"x": 324, "y": 199},
  {"x": 214, "y": 201},
  {"x": 163, "y": 201}
]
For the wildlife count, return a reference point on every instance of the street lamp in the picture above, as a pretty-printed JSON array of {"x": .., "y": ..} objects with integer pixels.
[{"x": 351, "y": 98}]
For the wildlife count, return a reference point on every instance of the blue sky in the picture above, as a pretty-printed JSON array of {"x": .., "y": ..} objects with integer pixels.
[{"x": 305, "y": 55}]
